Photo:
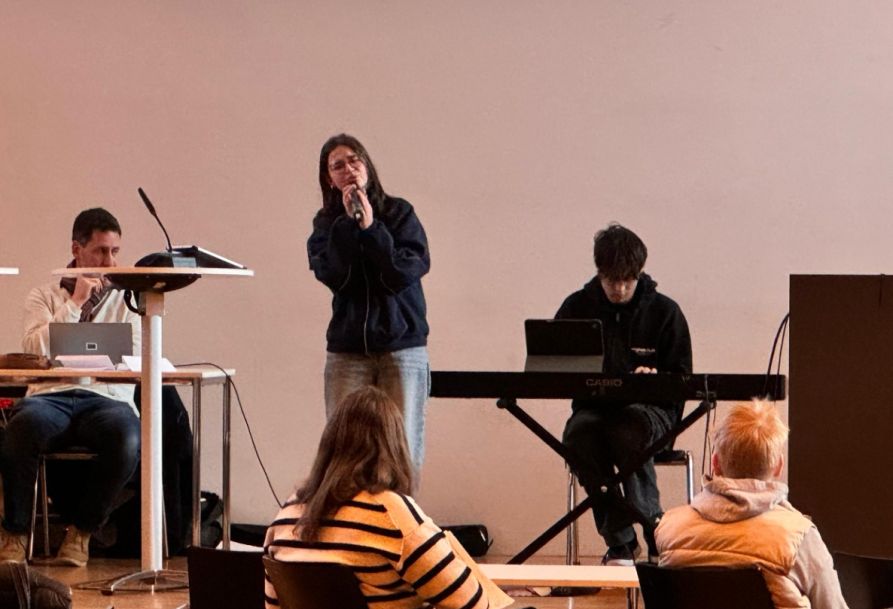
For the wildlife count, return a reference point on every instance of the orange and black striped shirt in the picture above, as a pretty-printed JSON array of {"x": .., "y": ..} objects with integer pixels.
[{"x": 399, "y": 556}]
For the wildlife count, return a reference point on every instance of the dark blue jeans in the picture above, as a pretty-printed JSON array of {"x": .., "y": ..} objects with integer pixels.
[
  {"x": 49, "y": 422},
  {"x": 609, "y": 436}
]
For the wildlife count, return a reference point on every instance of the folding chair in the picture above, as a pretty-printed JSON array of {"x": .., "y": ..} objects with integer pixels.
[
  {"x": 223, "y": 578},
  {"x": 703, "y": 588},
  {"x": 314, "y": 585},
  {"x": 866, "y": 581}
]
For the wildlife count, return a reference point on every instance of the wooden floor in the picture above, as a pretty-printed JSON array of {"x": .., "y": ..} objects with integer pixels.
[
  {"x": 100, "y": 569},
  {"x": 104, "y": 569}
]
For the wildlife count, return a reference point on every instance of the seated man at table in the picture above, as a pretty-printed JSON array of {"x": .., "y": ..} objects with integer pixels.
[
  {"x": 99, "y": 417},
  {"x": 742, "y": 517}
]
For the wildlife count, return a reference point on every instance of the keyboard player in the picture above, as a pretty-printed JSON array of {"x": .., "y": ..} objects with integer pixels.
[{"x": 644, "y": 332}]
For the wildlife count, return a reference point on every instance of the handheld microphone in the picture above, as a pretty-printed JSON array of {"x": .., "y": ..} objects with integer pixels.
[
  {"x": 151, "y": 209},
  {"x": 356, "y": 206}
]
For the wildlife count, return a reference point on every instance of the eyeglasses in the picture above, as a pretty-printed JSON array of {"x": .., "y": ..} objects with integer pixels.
[{"x": 340, "y": 165}]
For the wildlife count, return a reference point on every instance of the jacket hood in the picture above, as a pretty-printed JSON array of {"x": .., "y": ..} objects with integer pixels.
[{"x": 731, "y": 500}]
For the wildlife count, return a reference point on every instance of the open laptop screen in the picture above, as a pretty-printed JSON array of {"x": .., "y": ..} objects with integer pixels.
[
  {"x": 564, "y": 345},
  {"x": 91, "y": 338}
]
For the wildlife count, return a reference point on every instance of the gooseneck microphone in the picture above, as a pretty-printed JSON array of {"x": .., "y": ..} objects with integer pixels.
[
  {"x": 190, "y": 256},
  {"x": 151, "y": 209},
  {"x": 133, "y": 284}
]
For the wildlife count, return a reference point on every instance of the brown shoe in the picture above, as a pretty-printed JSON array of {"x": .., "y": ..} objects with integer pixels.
[
  {"x": 75, "y": 549},
  {"x": 12, "y": 546}
]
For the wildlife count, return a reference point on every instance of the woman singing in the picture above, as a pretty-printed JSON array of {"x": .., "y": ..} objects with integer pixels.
[
  {"x": 355, "y": 510},
  {"x": 370, "y": 249}
]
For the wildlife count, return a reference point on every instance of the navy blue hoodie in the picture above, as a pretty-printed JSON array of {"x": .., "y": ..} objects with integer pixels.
[{"x": 375, "y": 277}]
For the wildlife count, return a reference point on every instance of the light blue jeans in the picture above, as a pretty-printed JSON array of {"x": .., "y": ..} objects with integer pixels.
[{"x": 404, "y": 375}]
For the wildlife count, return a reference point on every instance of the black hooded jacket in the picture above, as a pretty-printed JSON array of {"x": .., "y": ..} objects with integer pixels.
[
  {"x": 375, "y": 277},
  {"x": 650, "y": 330}
]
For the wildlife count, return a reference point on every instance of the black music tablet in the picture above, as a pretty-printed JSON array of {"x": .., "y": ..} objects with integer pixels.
[{"x": 564, "y": 345}]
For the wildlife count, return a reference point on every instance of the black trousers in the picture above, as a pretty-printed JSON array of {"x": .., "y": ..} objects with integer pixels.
[{"x": 607, "y": 436}]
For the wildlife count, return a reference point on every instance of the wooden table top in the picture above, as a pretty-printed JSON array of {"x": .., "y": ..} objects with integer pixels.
[{"x": 561, "y": 575}]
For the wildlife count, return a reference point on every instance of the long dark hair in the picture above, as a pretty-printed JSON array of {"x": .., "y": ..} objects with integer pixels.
[
  {"x": 331, "y": 196},
  {"x": 363, "y": 448}
]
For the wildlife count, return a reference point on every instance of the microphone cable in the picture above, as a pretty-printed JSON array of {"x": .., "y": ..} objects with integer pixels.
[
  {"x": 778, "y": 343},
  {"x": 128, "y": 302},
  {"x": 232, "y": 383},
  {"x": 710, "y": 417}
]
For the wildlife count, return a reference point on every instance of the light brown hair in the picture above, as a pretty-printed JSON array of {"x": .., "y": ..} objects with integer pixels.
[{"x": 363, "y": 448}]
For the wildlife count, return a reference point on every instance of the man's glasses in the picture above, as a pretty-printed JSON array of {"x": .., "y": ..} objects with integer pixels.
[{"x": 340, "y": 165}]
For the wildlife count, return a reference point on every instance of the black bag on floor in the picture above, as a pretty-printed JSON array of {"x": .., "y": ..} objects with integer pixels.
[
  {"x": 249, "y": 534},
  {"x": 212, "y": 528},
  {"x": 473, "y": 537}
]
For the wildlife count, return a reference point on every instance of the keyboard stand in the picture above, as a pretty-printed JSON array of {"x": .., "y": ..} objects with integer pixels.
[{"x": 610, "y": 486}]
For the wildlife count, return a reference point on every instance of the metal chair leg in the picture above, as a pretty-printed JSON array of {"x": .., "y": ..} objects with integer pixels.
[
  {"x": 689, "y": 476},
  {"x": 45, "y": 505},
  {"x": 164, "y": 549},
  {"x": 30, "y": 554},
  {"x": 40, "y": 495},
  {"x": 571, "y": 556}
]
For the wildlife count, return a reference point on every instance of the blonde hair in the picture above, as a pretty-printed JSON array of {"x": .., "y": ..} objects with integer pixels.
[{"x": 750, "y": 441}]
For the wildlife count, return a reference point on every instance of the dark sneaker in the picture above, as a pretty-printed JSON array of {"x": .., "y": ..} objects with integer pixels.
[
  {"x": 75, "y": 549},
  {"x": 622, "y": 556},
  {"x": 648, "y": 535}
]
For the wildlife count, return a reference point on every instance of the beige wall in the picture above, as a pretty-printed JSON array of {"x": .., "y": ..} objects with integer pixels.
[{"x": 742, "y": 140}]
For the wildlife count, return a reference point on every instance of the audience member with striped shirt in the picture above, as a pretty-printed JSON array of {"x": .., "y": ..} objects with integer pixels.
[{"x": 355, "y": 510}]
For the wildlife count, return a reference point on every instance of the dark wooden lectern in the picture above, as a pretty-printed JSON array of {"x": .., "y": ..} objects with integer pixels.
[{"x": 841, "y": 408}]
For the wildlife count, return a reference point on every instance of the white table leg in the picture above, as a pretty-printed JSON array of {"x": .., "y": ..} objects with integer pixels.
[
  {"x": 150, "y": 425},
  {"x": 152, "y": 577}
]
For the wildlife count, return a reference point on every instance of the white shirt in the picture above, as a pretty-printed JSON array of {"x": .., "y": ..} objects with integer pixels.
[{"x": 52, "y": 303}]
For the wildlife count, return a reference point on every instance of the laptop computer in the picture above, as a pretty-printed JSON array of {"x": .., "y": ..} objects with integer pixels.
[
  {"x": 112, "y": 339},
  {"x": 564, "y": 345}
]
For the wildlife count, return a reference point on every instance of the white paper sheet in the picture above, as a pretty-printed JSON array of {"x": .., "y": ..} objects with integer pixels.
[
  {"x": 135, "y": 363},
  {"x": 86, "y": 362}
]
